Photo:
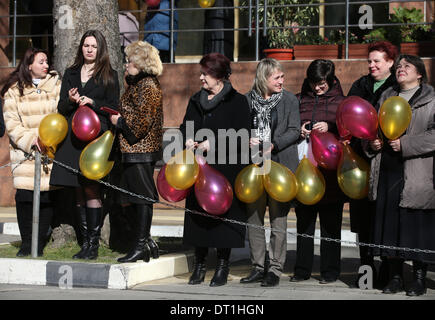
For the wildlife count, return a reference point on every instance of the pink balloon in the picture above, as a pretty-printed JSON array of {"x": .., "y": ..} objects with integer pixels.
[
  {"x": 326, "y": 149},
  {"x": 342, "y": 131},
  {"x": 212, "y": 190},
  {"x": 357, "y": 117},
  {"x": 86, "y": 124},
  {"x": 168, "y": 192}
]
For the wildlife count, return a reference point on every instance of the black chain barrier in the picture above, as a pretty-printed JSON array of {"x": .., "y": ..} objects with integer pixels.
[{"x": 169, "y": 205}]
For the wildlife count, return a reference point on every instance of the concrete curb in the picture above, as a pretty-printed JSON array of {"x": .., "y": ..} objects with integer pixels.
[
  {"x": 11, "y": 228},
  {"x": 67, "y": 274}
]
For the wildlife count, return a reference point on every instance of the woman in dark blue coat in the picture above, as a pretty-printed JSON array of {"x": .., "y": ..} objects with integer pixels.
[{"x": 216, "y": 106}]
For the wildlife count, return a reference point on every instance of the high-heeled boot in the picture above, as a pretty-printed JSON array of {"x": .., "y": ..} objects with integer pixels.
[
  {"x": 151, "y": 243},
  {"x": 94, "y": 217},
  {"x": 199, "y": 266},
  {"x": 82, "y": 235},
  {"x": 141, "y": 250},
  {"x": 222, "y": 271},
  {"x": 418, "y": 286},
  {"x": 395, "y": 284}
]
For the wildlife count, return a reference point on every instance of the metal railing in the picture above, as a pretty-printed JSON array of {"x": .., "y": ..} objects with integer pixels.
[{"x": 255, "y": 5}]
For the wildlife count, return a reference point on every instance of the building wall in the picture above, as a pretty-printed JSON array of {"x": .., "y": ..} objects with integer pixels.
[{"x": 180, "y": 81}]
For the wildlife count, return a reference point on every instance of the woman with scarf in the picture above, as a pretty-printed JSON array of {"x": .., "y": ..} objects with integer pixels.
[
  {"x": 319, "y": 99},
  {"x": 275, "y": 112},
  {"x": 215, "y": 107}
]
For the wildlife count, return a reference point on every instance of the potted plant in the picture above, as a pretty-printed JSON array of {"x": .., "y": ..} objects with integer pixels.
[
  {"x": 282, "y": 22},
  {"x": 412, "y": 39}
]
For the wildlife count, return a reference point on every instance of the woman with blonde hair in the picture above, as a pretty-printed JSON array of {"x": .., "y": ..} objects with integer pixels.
[
  {"x": 140, "y": 125},
  {"x": 275, "y": 112}
]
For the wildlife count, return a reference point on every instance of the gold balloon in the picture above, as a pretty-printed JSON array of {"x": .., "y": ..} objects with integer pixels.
[
  {"x": 311, "y": 183},
  {"x": 206, "y": 3},
  {"x": 94, "y": 162},
  {"x": 53, "y": 129},
  {"x": 280, "y": 183},
  {"x": 182, "y": 170},
  {"x": 353, "y": 174},
  {"x": 249, "y": 184},
  {"x": 394, "y": 117}
]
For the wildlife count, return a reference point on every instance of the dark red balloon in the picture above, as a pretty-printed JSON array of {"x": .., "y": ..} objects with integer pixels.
[
  {"x": 212, "y": 190},
  {"x": 168, "y": 192},
  {"x": 357, "y": 117},
  {"x": 327, "y": 149},
  {"x": 152, "y": 3},
  {"x": 86, "y": 124}
]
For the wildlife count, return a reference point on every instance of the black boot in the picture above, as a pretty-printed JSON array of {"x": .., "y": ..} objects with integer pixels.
[
  {"x": 418, "y": 286},
  {"x": 222, "y": 270},
  {"x": 151, "y": 243},
  {"x": 395, "y": 284},
  {"x": 199, "y": 266},
  {"x": 94, "y": 216},
  {"x": 141, "y": 250},
  {"x": 83, "y": 232}
]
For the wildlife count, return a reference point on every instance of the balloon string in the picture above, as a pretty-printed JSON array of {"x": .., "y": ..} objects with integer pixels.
[{"x": 371, "y": 245}]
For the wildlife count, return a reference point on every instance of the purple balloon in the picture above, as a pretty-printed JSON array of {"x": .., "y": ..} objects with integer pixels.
[
  {"x": 357, "y": 117},
  {"x": 168, "y": 192},
  {"x": 326, "y": 149},
  {"x": 212, "y": 190},
  {"x": 86, "y": 124}
]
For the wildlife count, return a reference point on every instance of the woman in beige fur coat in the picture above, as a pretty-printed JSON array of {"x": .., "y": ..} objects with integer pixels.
[{"x": 30, "y": 93}]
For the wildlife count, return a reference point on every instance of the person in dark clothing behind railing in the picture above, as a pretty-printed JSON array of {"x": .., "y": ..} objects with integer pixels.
[
  {"x": 381, "y": 57},
  {"x": 319, "y": 99}
]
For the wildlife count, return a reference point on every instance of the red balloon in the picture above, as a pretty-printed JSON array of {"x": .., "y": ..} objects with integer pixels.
[
  {"x": 86, "y": 124},
  {"x": 212, "y": 190},
  {"x": 326, "y": 149},
  {"x": 152, "y": 3},
  {"x": 168, "y": 192},
  {"x": 357, "y": 117}
]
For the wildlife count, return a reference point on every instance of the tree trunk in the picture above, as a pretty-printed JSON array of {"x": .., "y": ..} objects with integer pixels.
[{"x": 73, "y": 18}]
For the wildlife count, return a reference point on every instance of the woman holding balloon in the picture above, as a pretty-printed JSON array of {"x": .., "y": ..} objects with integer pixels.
[
  {"x": 140, "y": 125},
  {"x": 90, "y": 83},
  {"x": 30, "y": 94},
  {"x": 276, "y": 112},
  {"x": 401, "y": 176},
  {"x": 381, "y": 58},
  {"x": 319, "y": 99},
  {"x": 216, "y": 106}
]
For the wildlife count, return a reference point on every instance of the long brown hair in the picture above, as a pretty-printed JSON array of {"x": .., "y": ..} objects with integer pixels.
[
  {"x": 102, "y": 68},
  {"x": 21, "y": 75}
]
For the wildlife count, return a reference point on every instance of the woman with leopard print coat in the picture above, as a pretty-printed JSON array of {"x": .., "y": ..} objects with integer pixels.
[{"x": 140, "y": 124}]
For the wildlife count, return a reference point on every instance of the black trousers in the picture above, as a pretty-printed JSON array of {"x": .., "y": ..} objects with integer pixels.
[
  {"x": 25, "y": 219},
  {"x": 330, "y": 226}
]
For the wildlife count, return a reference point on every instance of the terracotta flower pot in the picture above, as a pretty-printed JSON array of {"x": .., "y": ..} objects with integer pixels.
[{"x": 279, "y": 54}]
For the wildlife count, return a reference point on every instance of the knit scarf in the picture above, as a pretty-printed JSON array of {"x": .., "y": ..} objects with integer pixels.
[{"x": 263, "y": 109}]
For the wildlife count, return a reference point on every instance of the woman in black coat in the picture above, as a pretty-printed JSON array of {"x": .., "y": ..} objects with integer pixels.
[
  {"x": 216, "y": 106},
  {"x": 370, "y": 87},
  {"x": 90, "y": 81}
]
